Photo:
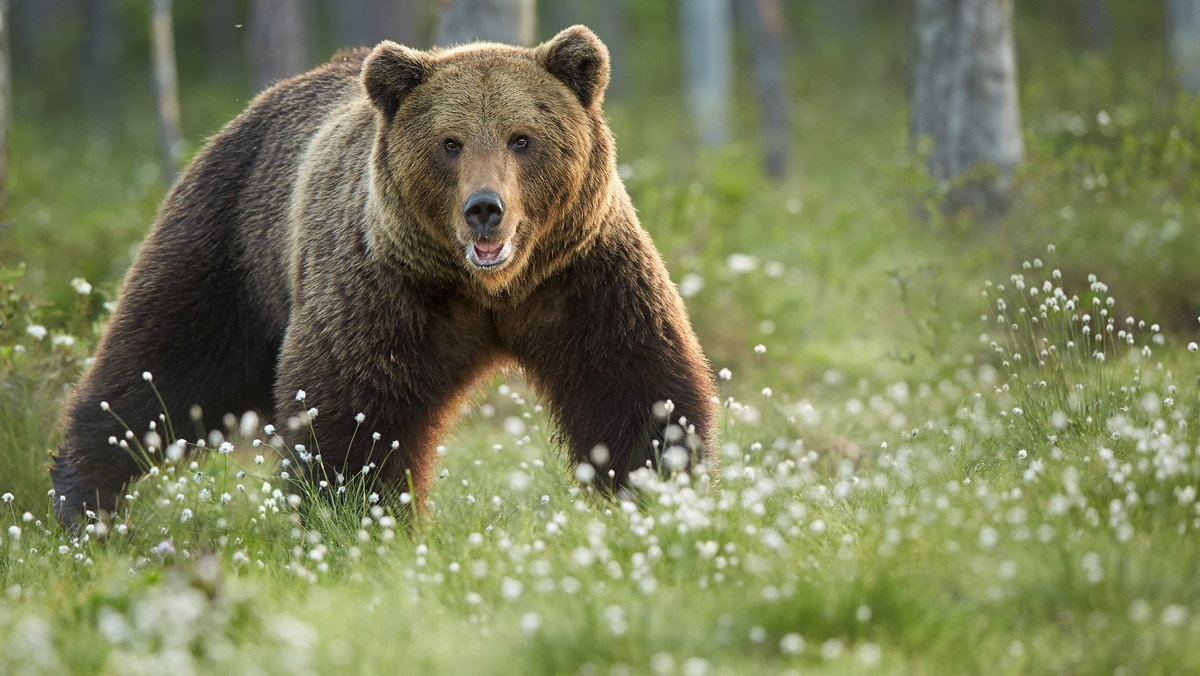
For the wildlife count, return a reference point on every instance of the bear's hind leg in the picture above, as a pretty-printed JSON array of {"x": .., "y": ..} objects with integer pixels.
[{"x": 188, "y": 325}]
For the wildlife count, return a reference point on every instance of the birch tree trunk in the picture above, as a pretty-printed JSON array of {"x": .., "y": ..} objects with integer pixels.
[
  {"x": 705, "y": 28},
  {"x": 964, "y": 98},
  {"x": 767, "y": 24},
  {"x": 166, "y": 87},
  {"x": 278, "y": 41},
  {"x": 1183, "y": 38},
  {"x": 507, "y": 21}
]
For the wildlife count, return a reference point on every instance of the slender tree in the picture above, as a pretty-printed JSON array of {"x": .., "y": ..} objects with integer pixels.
[
  {"x": 166, "y": 87},
  {"x": 610, "y": 26},
  {"x": 5, "y": 95},
  {"x": 359, "y": 23},
  {"x": 767, "y": 24},
  {"x": 1094, "y": 14},
  {"x": 278, "y": 40},
  {"x": 221, "y": 38},
  {"x": 964, "y": 97},
  {"x": 705, "y": 29},
  {"x": 508, "y": 21},
  {"x": 1183, "y": 38}
]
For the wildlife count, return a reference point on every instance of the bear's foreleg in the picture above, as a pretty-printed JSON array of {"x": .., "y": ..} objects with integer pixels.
[
  {"x": 609, "y": 345},
  {"x": 403, "y": 366}
]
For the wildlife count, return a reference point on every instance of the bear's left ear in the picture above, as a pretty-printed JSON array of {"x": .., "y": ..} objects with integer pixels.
[
  {"x": 390, "y": 71},
  {"x": 578, "y": 58}
]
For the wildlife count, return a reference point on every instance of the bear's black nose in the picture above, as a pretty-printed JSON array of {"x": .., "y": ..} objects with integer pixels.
[{"x": 483, "y": 211}]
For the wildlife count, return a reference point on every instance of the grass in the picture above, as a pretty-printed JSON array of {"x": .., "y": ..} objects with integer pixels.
[{"x": 921, "y": 470}]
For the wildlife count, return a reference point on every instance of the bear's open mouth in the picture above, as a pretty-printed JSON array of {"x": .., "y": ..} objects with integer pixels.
[{"x": 489, "y": 253}]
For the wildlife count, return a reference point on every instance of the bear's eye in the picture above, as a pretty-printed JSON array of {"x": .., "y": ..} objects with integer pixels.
[
  {"x": 519, "y": 142},
  {"x": 451, "y": 145}
]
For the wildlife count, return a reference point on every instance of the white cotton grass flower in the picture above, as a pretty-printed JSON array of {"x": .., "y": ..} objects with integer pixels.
[
  {"x": 81, "y": 286},
  {"x": 301, "y": 395},
  {"x": 725, "y": 374},
  {"x": 760, "y": 349},
  {"x": 360, "y": 418},
  {"x": 37, "y": 331},
  {"x": 7, "y": 497}
]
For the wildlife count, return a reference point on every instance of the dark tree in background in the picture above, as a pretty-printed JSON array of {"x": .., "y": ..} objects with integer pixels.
[
  {"x": 610, "y": 26},
  {"x": 166, "y": 89},
  {"x": 364, "y": 23},
  {"x": 964, "y": 97},
  {"x": 1183, "y": 38},
  {"x": 1095, "y": 23},
  {"x": 98, "y": 62},
  {"x": 278, "y": 41},
  {"x": 507, "y": 21},
  {"x": 708, "y": 66},
  {"x": 222, "y": 38},
  {"x": 5, "y": 95},
  {"x": 767, "y": 24}
]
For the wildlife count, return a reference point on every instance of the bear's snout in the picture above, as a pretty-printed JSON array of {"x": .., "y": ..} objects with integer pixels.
[{"x": 484, "y": 211}]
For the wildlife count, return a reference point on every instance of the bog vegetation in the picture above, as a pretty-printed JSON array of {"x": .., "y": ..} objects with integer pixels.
[{"x": 946, "y": 446}]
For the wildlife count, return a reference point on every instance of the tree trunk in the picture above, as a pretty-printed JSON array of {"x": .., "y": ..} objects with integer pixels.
[
  {"x": 166, "y": 87},
  {"x": 98, "y": 66},
  {"x": 278, "y": 41},
  {"x": 1095, "y": 24},
  {"x": 1183, "y": 37},
  {"x": 767, "y": 25},
  {"x": 705, "y": 28},
  {"x": 610, "y": 26},
  {"x": 964, "y": 98},
  {"x": 844, "y": 17},
  {"x": 507, "y": 21},
  {"x": 364, "y": 23},
  {"x": 221, "y": 39},
  {"x": 5, "y": 96}
]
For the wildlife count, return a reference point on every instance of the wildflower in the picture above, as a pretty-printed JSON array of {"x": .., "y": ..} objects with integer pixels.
[
  {"x": 36, "y": 330},
  {"x": 791, "y": 644},
  {"x": 312, "y": 412},
  {"x": 360, "y": 418},
  {"x": 147, "y": 376},
  {"x": 585, "y": 473},
  {"x": 1192, "y": 347},
  {"x": 7, "y": 497},
  {"x": 760, "y": 349},
  {"x": 269, "y": 430},
  {"x": 530, "y": 622},
  {"x": 725, "y": 374},
  {"x": 300, "y": 395},
  {"x": 81, "y": 286},
  {"x": 66, "y": 341},
  {"x": 185, "y": 515},
  {"x": 226, "y": 448}
]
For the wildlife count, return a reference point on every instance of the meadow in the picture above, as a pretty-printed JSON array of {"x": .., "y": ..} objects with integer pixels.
[{"x": 948, "y": 444}]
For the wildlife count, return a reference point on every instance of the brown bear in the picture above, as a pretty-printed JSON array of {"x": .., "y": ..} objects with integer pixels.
[{"x": 382, "y": 232}]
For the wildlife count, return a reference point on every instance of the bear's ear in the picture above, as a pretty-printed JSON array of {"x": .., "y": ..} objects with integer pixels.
[
  {"x": 390, "y": 71},
  {"x": 578, "y": 58}
]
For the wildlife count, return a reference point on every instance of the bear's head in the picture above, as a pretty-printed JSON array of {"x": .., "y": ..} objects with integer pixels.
[{"x": 500, "y": 153}]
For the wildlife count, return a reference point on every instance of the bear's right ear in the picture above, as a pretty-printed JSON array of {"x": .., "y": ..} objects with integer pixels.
[{"x": 390, "y": 71}]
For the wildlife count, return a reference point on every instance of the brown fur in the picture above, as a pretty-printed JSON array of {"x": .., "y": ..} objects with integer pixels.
[{"x": 318, "y": 243}]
